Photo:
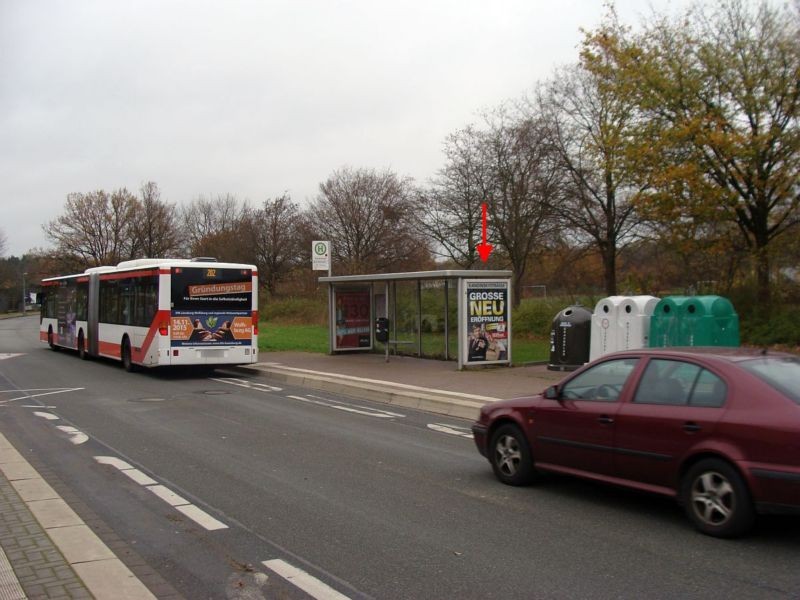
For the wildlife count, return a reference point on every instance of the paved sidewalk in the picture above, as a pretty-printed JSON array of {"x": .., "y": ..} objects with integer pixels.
[
  {"x": 432, "y": 385},
  {"x": 47, "y": 551}
]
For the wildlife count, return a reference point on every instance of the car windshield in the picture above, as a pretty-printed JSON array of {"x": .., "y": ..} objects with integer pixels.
[{"x": 782, "y": 373}]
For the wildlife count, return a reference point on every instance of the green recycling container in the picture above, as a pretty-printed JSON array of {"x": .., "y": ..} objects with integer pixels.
[
  {"x": 694, "y": 321},
  {"x": 708, "y": 321},
  {"x": 665, "y": 322}
]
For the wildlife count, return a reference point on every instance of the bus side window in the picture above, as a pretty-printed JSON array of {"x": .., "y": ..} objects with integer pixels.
[
  {"x": 127, "y": 290},
  {"x": 109, "y": 301}
]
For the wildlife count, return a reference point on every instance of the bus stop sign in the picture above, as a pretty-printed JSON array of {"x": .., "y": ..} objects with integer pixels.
[{"x": 320, "y": 256}]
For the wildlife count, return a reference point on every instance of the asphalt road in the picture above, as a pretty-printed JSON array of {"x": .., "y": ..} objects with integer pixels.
[{"x": 369, "y": 501}]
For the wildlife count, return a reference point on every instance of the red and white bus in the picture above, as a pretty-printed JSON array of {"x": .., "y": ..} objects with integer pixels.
[{"x": 156, "y": 312}]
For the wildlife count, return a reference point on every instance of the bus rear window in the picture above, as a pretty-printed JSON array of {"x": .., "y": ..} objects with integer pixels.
[{"x": 196, "y": 288}]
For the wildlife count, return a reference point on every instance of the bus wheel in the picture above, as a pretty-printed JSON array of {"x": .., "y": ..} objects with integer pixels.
[
  {"x": 82, "y": 347},
  {"x": 50, "y": 340},
  {"x": 127, "y": 361}
]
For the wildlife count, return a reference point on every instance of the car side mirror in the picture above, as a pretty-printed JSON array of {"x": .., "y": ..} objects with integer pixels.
[{"x": 552, "y": 393}]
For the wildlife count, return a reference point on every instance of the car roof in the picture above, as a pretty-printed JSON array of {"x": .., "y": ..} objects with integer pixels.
[{"x": 728, "y": 354}]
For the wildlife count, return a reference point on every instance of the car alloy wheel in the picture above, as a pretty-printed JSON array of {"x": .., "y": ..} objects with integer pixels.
[
  {"x": 508, "y": 455},
  {"x": 511, "y": 457},
  {"x": 717, "y": 499},
  {"x": 713, "y": 498}
]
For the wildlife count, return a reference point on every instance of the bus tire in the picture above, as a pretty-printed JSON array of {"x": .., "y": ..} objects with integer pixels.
[
  {"x": 82, "y": 352},
  {"x": 50, "y": 341},
  {"x": 127, "y": 359}
]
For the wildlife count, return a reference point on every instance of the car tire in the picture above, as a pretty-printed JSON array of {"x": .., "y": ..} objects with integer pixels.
[
  {"x": 716, "y": 499},
  {"x": 127, "y": 360},
  {"x": 511, "y": 457}
]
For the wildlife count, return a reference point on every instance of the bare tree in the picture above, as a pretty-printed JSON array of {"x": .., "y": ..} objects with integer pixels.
[
  {"x": 368, "y": 216},
  {"x": 593, "y": 131},
  {"x": 154, "y": 228},
  {"x": 276, "y": 241},
  {"x": 96, "y": 228},
  {"x": 449, "y": 210},
  {"x": 3, "y": 243},
  {"x": 524, "y": 184},
  {"x": 210, "y": 226}
]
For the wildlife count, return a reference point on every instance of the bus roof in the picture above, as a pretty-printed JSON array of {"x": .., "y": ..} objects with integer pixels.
[{"x": 144, "y": 263}]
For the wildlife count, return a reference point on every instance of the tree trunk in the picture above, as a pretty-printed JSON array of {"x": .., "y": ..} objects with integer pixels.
[
  {"x": 762, "y": 277},
  {"x": 610, "y": 271}
]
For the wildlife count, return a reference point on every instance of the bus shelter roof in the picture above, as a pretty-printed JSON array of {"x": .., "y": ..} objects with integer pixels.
[{"x": 443, "y": 274}]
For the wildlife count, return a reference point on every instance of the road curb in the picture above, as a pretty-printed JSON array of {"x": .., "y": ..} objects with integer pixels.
[{"x": 453, "y": 404}]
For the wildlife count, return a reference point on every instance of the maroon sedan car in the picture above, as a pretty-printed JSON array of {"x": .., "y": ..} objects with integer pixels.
[{"x": 716, "y": 428}]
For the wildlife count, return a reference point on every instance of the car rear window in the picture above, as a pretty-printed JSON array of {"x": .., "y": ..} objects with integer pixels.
[{"x": 782, "y": 373}]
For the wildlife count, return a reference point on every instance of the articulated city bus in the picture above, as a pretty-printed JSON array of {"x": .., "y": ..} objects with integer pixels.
[{"x": 156, "y": 312}]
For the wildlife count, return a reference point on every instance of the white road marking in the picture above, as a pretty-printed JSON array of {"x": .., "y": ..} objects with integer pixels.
[
  {"x": 45, "y": 392},
  {"x": 261, "y": 387},
  {"x": 5, "y": 355},
  {"x": 196, "y": 514},
  {"x": 310, "y": 585},
  {"x": 46, "y": 415},
  {"x": 140, "y": 477},
  {"x": 35, "y": 406},
  {"x": 201, "y": 517},
  {"x": 168, "y": 496},
  {"x": 450, "y": 429},
  {"x": 113, "y": 461},
  {"x": 76, "y": 437},
  {"x": 353, "y": 408}
]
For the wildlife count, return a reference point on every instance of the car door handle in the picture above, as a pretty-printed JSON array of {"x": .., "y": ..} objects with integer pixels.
[
  {"x": 605, "y": 419},
  {"x": 691, "y": 427}
]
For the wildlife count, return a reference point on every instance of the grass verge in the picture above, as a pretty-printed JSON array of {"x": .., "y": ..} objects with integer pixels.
[{"x": 314, "y": 338}]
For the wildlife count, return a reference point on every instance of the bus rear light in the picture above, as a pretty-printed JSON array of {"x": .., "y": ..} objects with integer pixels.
[
  {"x": 255, "y": 322},
  {"x": 163, "y": 328}
]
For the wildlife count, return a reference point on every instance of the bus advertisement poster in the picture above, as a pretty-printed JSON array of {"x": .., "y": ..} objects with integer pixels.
[
  {"x": 487, "y": 321},
  {"x": 203, "y": 328},
  {"x": 353, "y": 318}
]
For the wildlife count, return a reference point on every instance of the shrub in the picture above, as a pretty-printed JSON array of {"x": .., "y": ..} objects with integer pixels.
[
  {"x": 534, "y": 317},
  {"x": 779, "y": 326}
]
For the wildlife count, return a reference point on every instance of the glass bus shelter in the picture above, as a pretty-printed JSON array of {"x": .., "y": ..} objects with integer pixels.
[{"x": 462, "y": 315}]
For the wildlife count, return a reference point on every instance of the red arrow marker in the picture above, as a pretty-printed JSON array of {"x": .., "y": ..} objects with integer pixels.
[{"x": 484, "y": 248}]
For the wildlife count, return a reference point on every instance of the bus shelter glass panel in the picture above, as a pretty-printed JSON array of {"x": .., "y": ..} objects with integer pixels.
[
  {"x": 404, "y": 317},
  {"x": 433, "y": 321},
  {"x": 353, "y": 309}
]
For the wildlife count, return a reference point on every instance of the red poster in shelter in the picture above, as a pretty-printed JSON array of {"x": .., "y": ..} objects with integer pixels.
[{"x": 353, "y": 318}]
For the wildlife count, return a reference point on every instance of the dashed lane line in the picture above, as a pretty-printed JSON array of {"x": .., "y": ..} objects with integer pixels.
[
  {"x": 351, "y": 408},
  {"x": 180, "y": 504},
  {"x": 261, "y": 387},
  {"x": 46, "y": 415},
  {"x": 76, "y": 436},
  {"x": 309, "y": 584},
  {"x": 450, "y": 429}
]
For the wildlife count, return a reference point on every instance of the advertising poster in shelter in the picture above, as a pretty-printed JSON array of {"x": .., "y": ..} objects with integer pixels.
[
  {"x": 353, "y": 318},
  {"x": 487, "y": 322}
]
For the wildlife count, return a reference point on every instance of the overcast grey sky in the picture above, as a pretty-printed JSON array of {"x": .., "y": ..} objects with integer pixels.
[{"x": 254, "y": 98}]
